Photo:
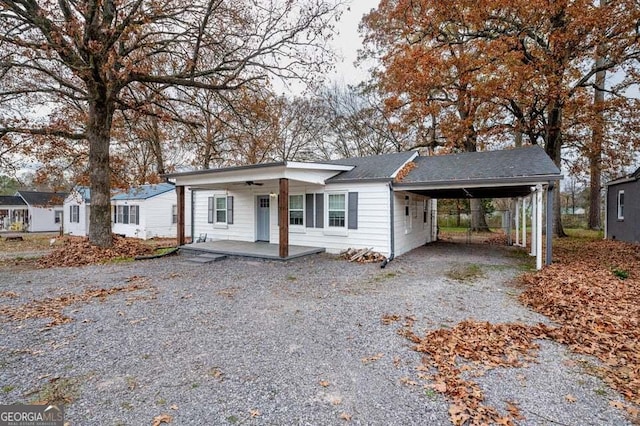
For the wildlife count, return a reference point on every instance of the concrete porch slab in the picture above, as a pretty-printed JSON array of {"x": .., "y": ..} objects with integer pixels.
[{"x": 259, "y": 249}]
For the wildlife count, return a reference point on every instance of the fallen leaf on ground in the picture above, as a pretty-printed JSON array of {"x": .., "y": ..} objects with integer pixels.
[
  {"x": 570, "y": 398},
  {"x": 371, "y": 359},
  {"x": 162, "y": 418},
  {"x": 345, "y": 416},
  {"x": 324, "y": 383},
  {"x": 254, "y": 413}
]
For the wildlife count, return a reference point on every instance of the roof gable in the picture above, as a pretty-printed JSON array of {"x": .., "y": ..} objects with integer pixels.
[
  {"x": 38, "y": 198},
  {"x": 144, "y": 192}
]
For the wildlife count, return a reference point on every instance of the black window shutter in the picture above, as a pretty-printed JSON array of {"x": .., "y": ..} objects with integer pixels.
[
  {"x": 353, "y": 210},
  {"x": 230, "y": 210},
  {"x": 319, "y": 210},
  {"x": 210, "y": 210},
  {"x": 308, "y": 211}
]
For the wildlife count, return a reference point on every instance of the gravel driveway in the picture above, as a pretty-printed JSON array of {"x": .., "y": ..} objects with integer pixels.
[{"x": 252, "y": 342}]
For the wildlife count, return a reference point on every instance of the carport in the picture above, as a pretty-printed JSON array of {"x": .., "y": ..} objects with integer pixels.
[{"x": 523, "y": 174}]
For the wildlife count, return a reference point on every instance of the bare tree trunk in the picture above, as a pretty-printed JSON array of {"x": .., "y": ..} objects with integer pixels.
[
  {"x": 98, "y": 134},
  {"x": 553, "y": 149},
  {"x": 155, "y": 139},
  {"x": 597, "y": 140},
  {"x": 478, "y": 216}
]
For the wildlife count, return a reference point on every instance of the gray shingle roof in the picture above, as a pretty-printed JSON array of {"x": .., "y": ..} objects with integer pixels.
[
  {"x": 143, "y": 192},
  {"x": 374, "y": 167},
  {"x": 11, "y": 200},
  {"x": 529, "y": 161},
  {"x": 37, "y": 198}
]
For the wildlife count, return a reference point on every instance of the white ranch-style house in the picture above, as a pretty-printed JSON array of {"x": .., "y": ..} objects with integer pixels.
[{"x": 384, "y": 202}]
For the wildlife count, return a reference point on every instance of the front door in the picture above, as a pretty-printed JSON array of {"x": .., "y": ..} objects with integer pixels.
[{"x": 262, "y": 218}]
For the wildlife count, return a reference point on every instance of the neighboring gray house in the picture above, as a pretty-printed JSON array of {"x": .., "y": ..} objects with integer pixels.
[{"x": 622, "y": 208}]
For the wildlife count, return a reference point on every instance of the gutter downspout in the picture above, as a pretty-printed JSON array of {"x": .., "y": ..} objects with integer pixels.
[
  {"x": 392, "y": 239},
  {"x": 606, "y": 212}
]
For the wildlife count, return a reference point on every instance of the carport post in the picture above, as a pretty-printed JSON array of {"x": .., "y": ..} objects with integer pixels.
[
  {"x": 539, "y": 227},
  {"x": 524, "y": 222},
  {"x": 517, "y": 221},
  {"x": 549, "y": 223},
  {"x": 534, "y": 233}
]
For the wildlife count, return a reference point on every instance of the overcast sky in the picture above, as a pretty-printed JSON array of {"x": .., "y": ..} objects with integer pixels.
[{"x": 348, "y": 42}]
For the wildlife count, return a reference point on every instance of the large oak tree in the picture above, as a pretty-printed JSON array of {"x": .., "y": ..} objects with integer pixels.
[
  {"x": 483, "y": 67},
  {"x": 98, "y": 55}
]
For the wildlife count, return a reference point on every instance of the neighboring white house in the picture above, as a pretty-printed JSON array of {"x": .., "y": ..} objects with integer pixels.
[
  {"x": 13, "y": 213},
  {"x": 147, "y": 211},
  {"x": 77, "y": 209},
  {"x": 384, "y": 202},
  {"x": 32, "y": 211}
]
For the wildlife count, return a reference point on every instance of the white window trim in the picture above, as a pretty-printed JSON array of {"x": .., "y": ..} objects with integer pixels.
[
  {"x": 75, "y": 208},
  {"x": 620, "y": 211},
  {"x": 342, "y": 231},
  {"x": 298, "y": 228},
  {"x": 217, "y": 224}
]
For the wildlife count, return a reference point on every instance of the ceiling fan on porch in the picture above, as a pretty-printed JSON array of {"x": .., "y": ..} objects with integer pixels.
[{"x": 251, "y": 183}]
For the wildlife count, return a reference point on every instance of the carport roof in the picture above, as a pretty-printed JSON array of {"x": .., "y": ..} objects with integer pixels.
[{"x": 488, "y": 174}]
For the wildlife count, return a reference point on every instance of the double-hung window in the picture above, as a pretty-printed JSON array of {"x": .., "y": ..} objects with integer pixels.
[
  {"x": 74, "y": 214},
  {"x": 296, "y": 210},
  {"x": 337, "y": 212},
  {"x": 217, "y": 211},
  {"x": 57, "y": 216},
  {"x": 174, "y": 214}
]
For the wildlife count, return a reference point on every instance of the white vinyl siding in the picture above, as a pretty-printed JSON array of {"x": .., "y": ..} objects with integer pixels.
[
  {"x": 154, "y": 216},
  {"x": 372, "y": 212}
]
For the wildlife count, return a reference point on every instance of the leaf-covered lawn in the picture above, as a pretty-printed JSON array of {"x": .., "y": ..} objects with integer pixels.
[{"x": 592, "y": 292}]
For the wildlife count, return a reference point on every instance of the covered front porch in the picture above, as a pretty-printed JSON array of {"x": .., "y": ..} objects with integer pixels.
[{"x": 257, "y": 250}]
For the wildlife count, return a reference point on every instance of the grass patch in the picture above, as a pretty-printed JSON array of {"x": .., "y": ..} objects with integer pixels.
[
  {"x": 163, "y": 250},
  {"x": 465, "y": 273},
  {"x": 621, "y": 273},
  {"x": 8, "y": 388},
  {"x": 58, "y": 391},
  {"x": 385, "y": 276}
]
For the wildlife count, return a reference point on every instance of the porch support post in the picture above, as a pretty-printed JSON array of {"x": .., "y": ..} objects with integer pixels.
[
  {"x": 180, "y": 224},
  {"x": 549, "y": 223},
  {"x": 517, "y": 222},
  {"x": 539, "y": 227},
  {"x": 283, "y": 210}
]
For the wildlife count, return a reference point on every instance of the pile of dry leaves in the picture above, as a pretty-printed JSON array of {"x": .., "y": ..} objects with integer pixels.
[
  {"x": 77, "y": 251},
  {"x": 53, "y": 307},
  {"x": 592, "y": 292}
]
